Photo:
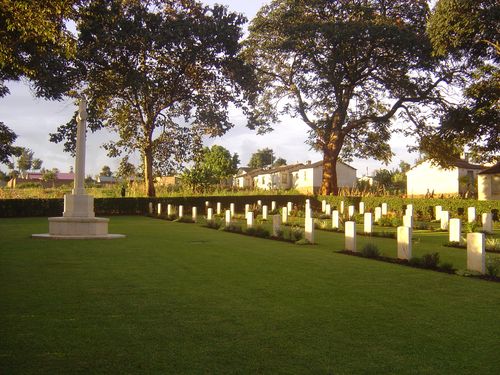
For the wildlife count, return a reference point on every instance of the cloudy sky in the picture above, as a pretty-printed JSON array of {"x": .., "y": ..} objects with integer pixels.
[{"x": 33, "y": 119}]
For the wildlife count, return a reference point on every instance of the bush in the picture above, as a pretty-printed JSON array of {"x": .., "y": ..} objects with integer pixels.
[
  {"x": 257, "y": 231},
  {"x": 492, "y": 266},
  {"x": 213, "y": 224},
  {"x": 430, "y": 260},
  {"x": 185, "y": 219},
  {"x": 303, "y": 241},
  {"x": 415, "y": 262},
  {"x": 370, "y": 251},
  {"x": 235, "y": 228},
  {"x": 447, "y": 267},
  {"x": 492, "y": 244}
]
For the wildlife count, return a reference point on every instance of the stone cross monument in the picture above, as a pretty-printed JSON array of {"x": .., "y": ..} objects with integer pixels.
[{"x": 78, "y": 220}]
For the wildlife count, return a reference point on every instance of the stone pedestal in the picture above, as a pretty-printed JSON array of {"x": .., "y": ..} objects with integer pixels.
[
  {"x": 471, "y": 214},
  {"x": 264, "y": 212},
  {"x": 276, "y": 224},
  {"x": 249, "y": 217},
  {"x": 367, "y": 222},
  {"x": 487, "y": 221},
  {"x": 445, "y": 218},
  {"x": 384, "y": 208},
  {"x": 404, "y": 242},
  {"x": 350, "y": 236},
  {"x": 476, "y": 256},
  {"x": 455, "y": 228},
  {"x": 335, "y": 219},
  {"x": 309, "y": 229},
  {"x": 284, "y": 214}
]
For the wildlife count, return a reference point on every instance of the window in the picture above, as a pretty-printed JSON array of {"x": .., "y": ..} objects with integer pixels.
[
  {"x": 470, "y": 176},
  {"x": 284, "y": 178}
]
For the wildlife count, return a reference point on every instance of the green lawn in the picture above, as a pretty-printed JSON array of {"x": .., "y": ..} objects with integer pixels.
[{"x": 181, "y": 299}]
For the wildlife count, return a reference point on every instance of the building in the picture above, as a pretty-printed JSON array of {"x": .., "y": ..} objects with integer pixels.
[
  {"x": 309, "y": 178},
  {"x": 488, "y": 183},
  {"x": 244, "y": 177},
  {"x": 37, "y": 178},
  {"x": 281, "y": 177},
  {"x": 425, "y": 178}
]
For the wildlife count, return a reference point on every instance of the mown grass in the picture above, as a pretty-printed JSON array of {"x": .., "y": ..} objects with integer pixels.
[{"x": 179, "y": 298}]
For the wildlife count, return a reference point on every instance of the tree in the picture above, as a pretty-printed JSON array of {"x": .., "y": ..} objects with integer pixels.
[
  {"x": 346, "y": 68},
  {"x": 106, "y": 171},
  {"x": 50, "y": 176},
  {"x": 36, "y": 164},
  {"x": 7, "y": 138},
  {"x": 214, "y": 165},
  {"x": 25, "y": 160},
  {"x": 466, "y": 31},
  {"x": 261, "y": 158},
  {"x": 279, "y": 162},
  {"x": 36, "y": 44},
  {"x": 126, "y": 169},
  {"x": 161, "y": 73}
]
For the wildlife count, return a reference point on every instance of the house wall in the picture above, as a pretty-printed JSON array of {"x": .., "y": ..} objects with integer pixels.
[
  {"x": 488, "y": 187},
  {"x": 426, "y": 177},
  {"x": 346, "y": 176},
  {"x": 464, "y": 173},
  {"x": 309, "y": 179},
  {"x": 304, "y": 180}
]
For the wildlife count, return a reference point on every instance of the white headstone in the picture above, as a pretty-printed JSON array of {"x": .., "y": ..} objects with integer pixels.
[
  {"x": 308, "y": 212},
  {"x": 476, "y": 256},
  {"x": 487, "y": 221},
  {"x": 309, "y": 229},
  {"x": 219, "y": 208},
  {"x": 259, "y": 203},
  {"x": 307, "y": 207},
  {"x": 181, "y": 211},
  {"x": 169, "y": 210},
  {"x": 194, "y": 214},
  {"x": 150, "y": 206},
  {"x": 284, "y": 214},
  {"x": 408, "y": 221},
  {"x": 350, "y": 211},
  {"x": 207, "y": 203},
  {"x": 367, "y": 224},
  {"x": 404, "y": 242},
  {"x": 289, "y": 205},
  {"x": 323, "y": 206},
  {"x": 350, "y": 236},
  {"x": 249, "y": 216},
  {"x": 276, "y": 224},
  {"x": 273, "y": 205},
  {"x": 341, "y": 209},
  {"x": 445, "y": 218},
  {"x": 228, "y": 217},
  {"x": 384, "y": 208},
  {"x": 455, "y": 228},
  {"x": 264, "y": 212},
  {"x": 409, "y": 209},
  {"x": 471, "y": 214},
  {"x": 361, "y": 208},
  {"x": 328, "y": 209},
  {"x": 158, "y": 208},
  {"x": 247, "y": 209},
  {"x": 378, "y": 213},
  {"x": 437, "y": 212},
  {"x": 210, "y": 214},
  {"x": 335, "y": 219},
  {"x": 231, "y": 208}
]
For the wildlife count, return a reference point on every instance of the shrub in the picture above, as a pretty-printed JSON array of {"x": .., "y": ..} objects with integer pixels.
[
  {"x": 232, "y": 227},
  {"x": 296, "y": 234},
  {"x": 415, "y": 262},
  {"x": 213, "y": 224},
  {"x": 470, "y": 227},
  {"x": 430, "y": 260},
  {"x": 492, "y": 244},
  {"x": 302, "y": 241},
  {"x": 447, "y": 267},
  {"x": 185, "y": 219},
  {"x": 492, "y": 266},
  {"x": 171, "y": 217},
  {"x": 257, "y": 231},
  {"x": 385, "y": 221},
  {"x": 370, "y": 251}
]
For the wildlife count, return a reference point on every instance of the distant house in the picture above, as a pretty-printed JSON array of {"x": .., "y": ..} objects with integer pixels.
[
  {"x": 61, "y": 179},
  {"x": 488, "y": 183},
  {"x": 105, "y": 180},
  {"x": 308, "y": 179},
  {"x": 168, "y": 180},
  {"x": 244, "y": 177},
  {"x": 425, "y": 178},
  {"x": 276, "y": 178}
]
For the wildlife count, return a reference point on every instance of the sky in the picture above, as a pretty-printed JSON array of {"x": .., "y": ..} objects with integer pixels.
[{"x": 32, "y": 119}]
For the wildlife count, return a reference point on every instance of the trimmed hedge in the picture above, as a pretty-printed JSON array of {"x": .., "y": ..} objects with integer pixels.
[
  {"x": 456, "y": 206},
  {"x": 139, "y": 206}
]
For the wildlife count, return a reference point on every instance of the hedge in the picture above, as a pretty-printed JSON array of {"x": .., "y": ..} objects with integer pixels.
[
  {"x": 138, "y": 206},
  {"x": 456, "y": 206}
]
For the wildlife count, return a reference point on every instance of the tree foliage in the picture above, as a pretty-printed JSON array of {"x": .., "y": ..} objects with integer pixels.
[
  {"x": 126, "y": 169},
  {"x": 346, "y": 68},
  {"x": 7, "y": 148},
  {"x": 214, "y": 166},
  {"x": 106, "y": 171},
  {"x": 25, "y": 160},
  {"x": 466, "y": 31},
  {"x": 161, "y": 74},
  {"x": 262, "y": 158}
]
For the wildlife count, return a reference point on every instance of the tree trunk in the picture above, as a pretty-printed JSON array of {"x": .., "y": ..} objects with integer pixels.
[
  {"x": 331, "y": 153},
  {"x": 148, "y": 171}
]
